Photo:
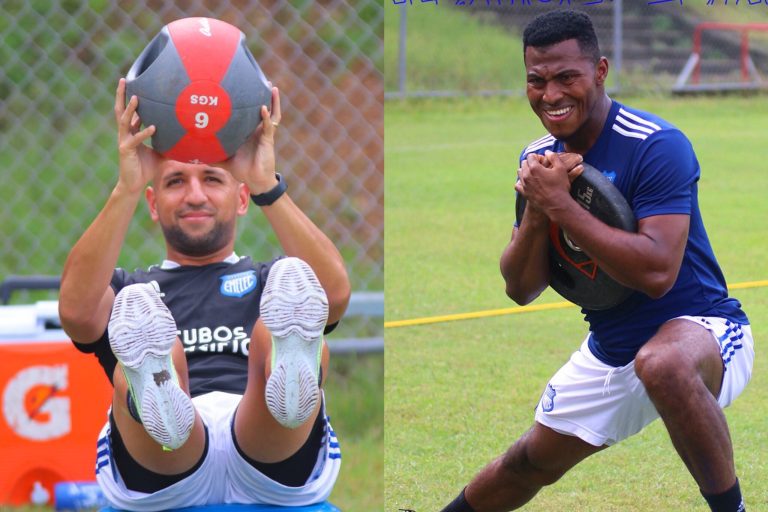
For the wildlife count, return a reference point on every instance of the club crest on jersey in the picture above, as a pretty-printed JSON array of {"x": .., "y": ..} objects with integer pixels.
[
  {"x": 548, "y": 399},
  {"x": 238, "y": 285},
  {"x": 611, "y": 175}
]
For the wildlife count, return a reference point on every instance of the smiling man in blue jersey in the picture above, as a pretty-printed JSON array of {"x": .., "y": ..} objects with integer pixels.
[
  {"x": 679, "y": 347},
  {"x": 217, "y": 361}
]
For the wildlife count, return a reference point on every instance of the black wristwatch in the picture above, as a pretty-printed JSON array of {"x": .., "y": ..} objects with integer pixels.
[{"x": 269, "y": 197}]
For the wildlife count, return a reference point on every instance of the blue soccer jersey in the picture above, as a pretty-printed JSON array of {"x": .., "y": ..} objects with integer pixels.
[{"x": 654, "y": 166}]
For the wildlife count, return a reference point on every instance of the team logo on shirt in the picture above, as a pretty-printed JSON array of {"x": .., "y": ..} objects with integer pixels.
[
  {"x": 611, "y": 175},
  {"x": 548, "y": 399},
  {"x": 238, "y": 285}
]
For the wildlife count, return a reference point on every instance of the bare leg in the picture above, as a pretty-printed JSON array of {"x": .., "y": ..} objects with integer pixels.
[
  {"x": 540, "y": 457},
  {"x": 258, "y": 434},
  {"x": 682, "y": 371},
  {"x": 145, "y": 450}
]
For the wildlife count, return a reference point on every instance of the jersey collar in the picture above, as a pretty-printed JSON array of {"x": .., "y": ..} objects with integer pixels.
[{"x": 168, "y": 264}]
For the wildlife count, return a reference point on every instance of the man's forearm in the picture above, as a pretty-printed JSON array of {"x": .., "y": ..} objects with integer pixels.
[
  {"x": 299, "y": 237},
  {"x": 648, "y": 261},
  {"x": 524, "y": 262},
  {"x": 89, "y": 266}
]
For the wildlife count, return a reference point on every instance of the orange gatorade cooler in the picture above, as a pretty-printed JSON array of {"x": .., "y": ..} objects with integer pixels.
[{"x": 53, "y": 403}]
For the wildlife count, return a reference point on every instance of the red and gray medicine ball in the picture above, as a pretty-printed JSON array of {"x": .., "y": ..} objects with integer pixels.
[{"x": 201, "y": 87}]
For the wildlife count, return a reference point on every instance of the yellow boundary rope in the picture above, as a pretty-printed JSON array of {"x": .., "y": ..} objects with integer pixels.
[{"x": 519, "y": 309}]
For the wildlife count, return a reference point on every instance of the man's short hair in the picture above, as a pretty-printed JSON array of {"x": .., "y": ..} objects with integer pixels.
[{"x": 557, "y": 26}]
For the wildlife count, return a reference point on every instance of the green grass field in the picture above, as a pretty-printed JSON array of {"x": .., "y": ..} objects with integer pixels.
[
  {"x": 459, "y": 393},
  {"x": 444, "y": 51},
  {"x": 355, "y": 399}
]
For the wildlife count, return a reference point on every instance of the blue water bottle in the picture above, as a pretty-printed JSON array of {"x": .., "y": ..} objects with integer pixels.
[{"x": 78, "y": 496}]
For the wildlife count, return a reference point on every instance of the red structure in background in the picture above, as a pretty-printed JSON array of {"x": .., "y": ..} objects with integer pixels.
[
  {"x": 744, "y": 28},
  {"x": 692, "y": 68}
]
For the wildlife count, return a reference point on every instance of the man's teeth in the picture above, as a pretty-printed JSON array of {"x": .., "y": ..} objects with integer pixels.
[{"x": 560, "y": 112}]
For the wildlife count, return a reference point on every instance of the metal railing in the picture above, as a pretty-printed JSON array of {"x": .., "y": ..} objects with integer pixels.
[{"x": 40, "y": 321}]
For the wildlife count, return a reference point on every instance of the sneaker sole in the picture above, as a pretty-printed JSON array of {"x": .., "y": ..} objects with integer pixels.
[
  {"x": 294, "y": 308},
  {"x": 142, "y": 333}
]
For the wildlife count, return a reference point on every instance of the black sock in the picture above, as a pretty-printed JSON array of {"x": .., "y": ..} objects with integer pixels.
[
  {"x": 728, "y": 501},
  {"x": 459, "y": 504}
]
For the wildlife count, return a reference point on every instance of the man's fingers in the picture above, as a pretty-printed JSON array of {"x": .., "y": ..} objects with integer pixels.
[
  {"x": 126, "y": 114},
  {"x": 532, "y": 160},
  {"x": 524, "y": 169},
  {"x": 571, "y": 160},
  {"x": 137, "y": 139},
  {"x": 135, "y": 122},
  {"x": 552, "y": 158},
  {"x": 565, "y": 160},
  {"x": 575, "y": 172},
  {"x": 267, "y": 124},
  {"x": 277, "y": 113},
  {"x": 126, "y": 118},
  {"x": 145, "y": 133},
  {"x": 120, "y": 99}
]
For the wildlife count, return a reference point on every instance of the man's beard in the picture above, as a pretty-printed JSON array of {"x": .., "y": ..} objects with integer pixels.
[{"x": 208, "y": 243}]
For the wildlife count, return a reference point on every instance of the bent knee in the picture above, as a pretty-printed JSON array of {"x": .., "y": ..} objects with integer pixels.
[{"x": 660, "y": 369}]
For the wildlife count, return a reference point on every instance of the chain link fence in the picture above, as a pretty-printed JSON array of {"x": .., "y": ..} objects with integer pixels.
[
  {"x": 648, "y": 43},
  {"x": 61, "y": 61}
]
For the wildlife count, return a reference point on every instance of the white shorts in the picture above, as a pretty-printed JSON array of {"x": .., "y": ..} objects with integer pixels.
[
  {"x": 603, "y": 404},
  {"x": 224, "y": 476}
]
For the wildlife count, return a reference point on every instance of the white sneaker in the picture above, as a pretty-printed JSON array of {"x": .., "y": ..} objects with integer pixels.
[
  {"x": 142, "y": 332},
  {"x": 294, "y": 308}
]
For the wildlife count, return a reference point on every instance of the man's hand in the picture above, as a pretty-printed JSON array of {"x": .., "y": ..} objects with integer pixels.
[
  {"x": 545, "y": 180},
  {"x": 254, "y": 162},
  {"x": 137, "y": 161}
]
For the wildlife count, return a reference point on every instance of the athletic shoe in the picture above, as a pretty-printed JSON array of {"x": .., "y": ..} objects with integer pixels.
[
  {"x": 142, "y": 332},
  {"x": 295, "y": 309}
]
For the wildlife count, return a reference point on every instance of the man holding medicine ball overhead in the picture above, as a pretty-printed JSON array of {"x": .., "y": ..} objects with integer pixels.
[
  {"x": 217, "y": 361},
  {"x": 678, "y": 348}
]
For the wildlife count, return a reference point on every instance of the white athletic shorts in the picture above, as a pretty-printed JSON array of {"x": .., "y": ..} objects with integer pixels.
[
  {"x": 224, "y": 476},
  {"x": 603, "y": 404}
]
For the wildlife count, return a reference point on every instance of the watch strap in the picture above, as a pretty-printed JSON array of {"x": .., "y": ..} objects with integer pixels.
[{"x": 270, "y": 196}]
